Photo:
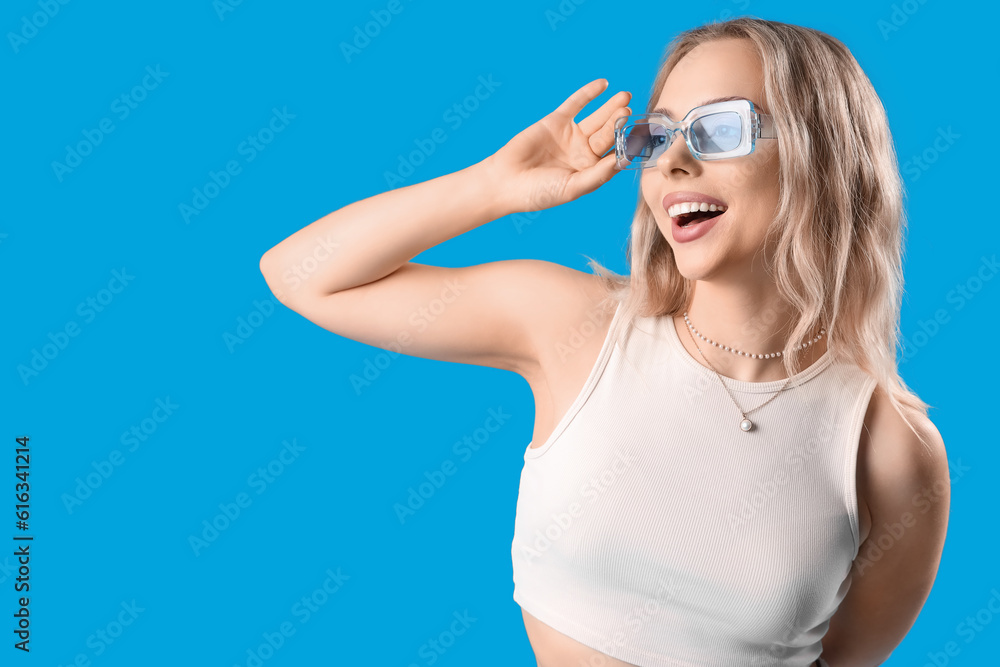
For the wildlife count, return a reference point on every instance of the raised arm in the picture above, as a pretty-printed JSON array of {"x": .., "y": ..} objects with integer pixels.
[{"x": 350, "y": 271}]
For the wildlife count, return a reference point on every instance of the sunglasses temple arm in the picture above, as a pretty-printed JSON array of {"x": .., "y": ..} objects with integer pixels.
[{"x": 766, "y": 126}]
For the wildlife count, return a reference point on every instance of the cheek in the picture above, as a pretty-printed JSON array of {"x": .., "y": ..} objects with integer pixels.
[
  {"x": 755, "y": 186},
  {"x": 766, "y": 175},
  {"x": 746, "y": 176},
  {"x": 648, "y": 193},
  {"x": 653, "y": 199}
]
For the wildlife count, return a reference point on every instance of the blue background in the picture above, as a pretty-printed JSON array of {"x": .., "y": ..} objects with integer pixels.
[{"x": 168, "y": 334}]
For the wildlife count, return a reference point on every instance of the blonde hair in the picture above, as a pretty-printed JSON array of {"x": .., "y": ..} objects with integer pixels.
[{"x": 840, "y": 223}]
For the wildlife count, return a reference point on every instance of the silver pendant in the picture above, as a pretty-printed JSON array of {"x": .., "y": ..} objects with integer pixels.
[{"x": 746, "y": 424}]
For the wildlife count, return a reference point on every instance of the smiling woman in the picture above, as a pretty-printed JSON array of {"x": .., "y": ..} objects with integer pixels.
[
  {"x": 710, "y": 469},
  {"x": 800, "y": 276}
]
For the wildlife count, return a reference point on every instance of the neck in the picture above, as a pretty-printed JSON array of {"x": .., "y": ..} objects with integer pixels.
[{"x": 750, "y": 319}]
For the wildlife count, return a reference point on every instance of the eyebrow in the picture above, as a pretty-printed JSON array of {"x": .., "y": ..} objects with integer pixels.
[{"x": 730, "y": 98}]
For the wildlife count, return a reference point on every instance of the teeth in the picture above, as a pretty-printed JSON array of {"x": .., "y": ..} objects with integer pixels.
[{"x": 688, "y": 207}]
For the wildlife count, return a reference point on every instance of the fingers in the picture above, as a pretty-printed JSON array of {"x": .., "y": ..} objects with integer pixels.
[
  {"x": 596, "y": 120},
  {"x": 604, "y": 138},
  {"x": 581, "y": 98}
]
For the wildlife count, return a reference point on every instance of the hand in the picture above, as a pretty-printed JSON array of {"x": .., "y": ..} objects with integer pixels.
[{"x": 557, "y": 160}]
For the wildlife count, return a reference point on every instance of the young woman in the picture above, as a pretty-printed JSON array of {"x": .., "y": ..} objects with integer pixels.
[{"x": 726, "y": 468}]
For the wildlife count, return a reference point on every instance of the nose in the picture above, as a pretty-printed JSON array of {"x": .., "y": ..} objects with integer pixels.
[{"x": 675, "y": 154}]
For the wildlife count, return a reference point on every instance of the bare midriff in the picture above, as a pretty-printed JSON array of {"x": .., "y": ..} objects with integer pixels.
[{"x": 554, "y": 649}]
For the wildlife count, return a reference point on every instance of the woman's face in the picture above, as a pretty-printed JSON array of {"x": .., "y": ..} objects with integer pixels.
[{"x": 747, "y": 185}]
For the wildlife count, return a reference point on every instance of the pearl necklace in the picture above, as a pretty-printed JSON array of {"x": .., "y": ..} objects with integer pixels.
[
  {"x": 772, "y": 355},
  {"x": 745, "y": 424}
]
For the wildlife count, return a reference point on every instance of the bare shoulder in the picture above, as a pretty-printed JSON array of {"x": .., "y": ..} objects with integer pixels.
[
  {"x": 570, "y": 319},
  {"x": 901, "y": 468},
  {"x": 908, "y": 488}
]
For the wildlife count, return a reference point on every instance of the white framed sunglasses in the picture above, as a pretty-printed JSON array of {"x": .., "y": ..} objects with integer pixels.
[{"x": 712, "y": 132}]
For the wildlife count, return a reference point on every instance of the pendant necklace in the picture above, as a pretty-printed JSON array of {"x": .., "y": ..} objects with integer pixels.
[{"x": 745, "y": 424}]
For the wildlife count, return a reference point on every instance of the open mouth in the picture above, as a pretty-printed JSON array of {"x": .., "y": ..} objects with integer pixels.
[
  {"x": 693, "y": 218},
  {"x": 691, "y": 213}
]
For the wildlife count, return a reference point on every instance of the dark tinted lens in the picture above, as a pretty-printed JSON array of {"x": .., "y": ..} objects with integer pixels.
[
  {"x": 643, "y": 141},
  {"x": 717, "y": 133}
]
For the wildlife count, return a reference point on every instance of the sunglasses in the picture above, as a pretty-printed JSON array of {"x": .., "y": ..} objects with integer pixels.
[{"x": 712, "y": 132}]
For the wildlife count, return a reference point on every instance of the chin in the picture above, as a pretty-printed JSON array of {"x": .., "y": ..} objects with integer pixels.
[{"x": 697, "y": 272}]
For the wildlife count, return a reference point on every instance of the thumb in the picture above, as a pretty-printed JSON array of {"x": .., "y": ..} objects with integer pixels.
[{"x": 596, "y": 175}]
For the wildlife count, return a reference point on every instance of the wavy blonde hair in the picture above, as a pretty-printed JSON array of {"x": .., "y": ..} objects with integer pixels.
[{"x": 840, "y": 223}]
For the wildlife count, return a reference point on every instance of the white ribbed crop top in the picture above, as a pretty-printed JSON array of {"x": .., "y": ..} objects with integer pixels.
[{"x": 651, "y": 528}]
